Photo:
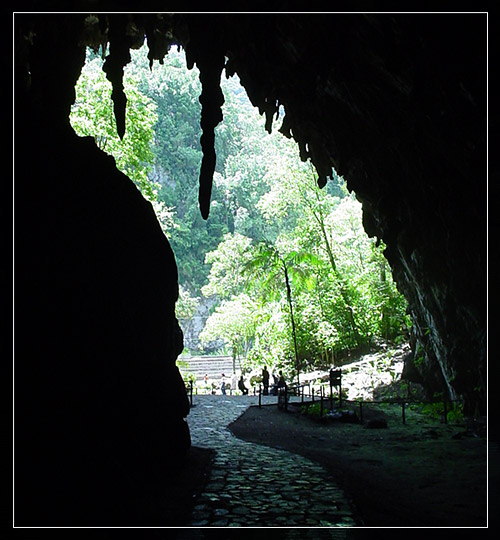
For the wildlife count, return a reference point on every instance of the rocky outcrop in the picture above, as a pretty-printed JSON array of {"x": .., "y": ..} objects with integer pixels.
[
  {"x": 192, "y": 328},
  {"x": 395, "y": 103}
]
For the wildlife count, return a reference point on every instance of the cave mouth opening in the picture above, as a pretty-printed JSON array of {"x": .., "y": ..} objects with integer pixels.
[{"x": 265, "y": 206}]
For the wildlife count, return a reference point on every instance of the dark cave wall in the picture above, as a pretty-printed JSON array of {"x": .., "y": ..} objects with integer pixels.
[
  {"x": 396, "y": 107},
  {"x": 99, "y": 401}
]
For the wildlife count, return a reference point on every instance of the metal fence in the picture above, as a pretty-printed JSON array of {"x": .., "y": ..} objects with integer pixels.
[
  {"x": 324, "y": 399},
  {"x": 306, "y": 395}
]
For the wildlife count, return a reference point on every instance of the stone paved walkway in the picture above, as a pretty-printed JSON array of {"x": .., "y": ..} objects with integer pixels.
[{"x": 253, "y": 485}]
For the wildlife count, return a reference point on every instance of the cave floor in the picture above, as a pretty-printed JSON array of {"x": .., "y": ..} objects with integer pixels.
[
  {"x": 277, "y": 469},
  {"x": 254, "y": 485}
]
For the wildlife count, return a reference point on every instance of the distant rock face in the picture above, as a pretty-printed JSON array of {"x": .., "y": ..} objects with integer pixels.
[
  {"x": 193, "y": 327},
  {"x": 396, "y": 104}
]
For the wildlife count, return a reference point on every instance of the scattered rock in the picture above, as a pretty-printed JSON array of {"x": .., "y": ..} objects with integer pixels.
[
  {"x": 377, "y": 423},
  {"x": 346, "y": 416}
]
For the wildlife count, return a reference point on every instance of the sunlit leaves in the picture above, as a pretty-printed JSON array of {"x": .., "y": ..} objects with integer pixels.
[
  {"x": 226, "y": 277},
  {"x": 233, "y": 322},
  {"x": 92, "y": 115}
]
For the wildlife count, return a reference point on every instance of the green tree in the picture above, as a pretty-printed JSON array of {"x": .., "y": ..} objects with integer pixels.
[
  {"x": 297, "y": 190},
  {"x": 271, "y": 342},
  {"x": 274, "y": 270},
  {"x": 226, "y": 277}
]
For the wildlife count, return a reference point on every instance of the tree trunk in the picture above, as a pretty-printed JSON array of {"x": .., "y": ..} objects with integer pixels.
[
  {"x": 289, "y": 298},
  {"x": 321, "y": 222}
]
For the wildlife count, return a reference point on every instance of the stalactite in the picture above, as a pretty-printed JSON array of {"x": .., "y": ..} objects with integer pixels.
[
  {"x": 159, "y": 37},
  {"x": 113, "y": 66},
  {"x": 211, "y": 100}
]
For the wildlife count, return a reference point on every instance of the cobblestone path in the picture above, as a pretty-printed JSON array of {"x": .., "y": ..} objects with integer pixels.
[{"x": 253, "y": 485}]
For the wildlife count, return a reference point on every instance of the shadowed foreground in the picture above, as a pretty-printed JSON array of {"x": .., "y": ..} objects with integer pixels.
[{"x": 423, "y": 473}]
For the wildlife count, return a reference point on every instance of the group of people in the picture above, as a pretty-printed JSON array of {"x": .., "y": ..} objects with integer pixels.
[
  {"x": 223, "y": 385},
  {"x": 278, "y": 382}
]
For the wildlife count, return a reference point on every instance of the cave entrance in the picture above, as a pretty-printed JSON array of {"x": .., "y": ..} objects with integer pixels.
[
  {"x": 91, "y": 339},
  {"x": 282, "y": 272}
]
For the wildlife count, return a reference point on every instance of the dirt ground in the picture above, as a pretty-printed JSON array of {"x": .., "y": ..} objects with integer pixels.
[{"x": 420, "y": 474}]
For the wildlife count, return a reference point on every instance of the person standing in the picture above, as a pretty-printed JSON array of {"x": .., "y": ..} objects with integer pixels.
[
  {"x": 242, "y": 387},
  {"x": 281, "y": 381},
  {"x": 265, "y": 380},
  {"x": 282, "y": 392},
  {"x": 223, "y": 384}
]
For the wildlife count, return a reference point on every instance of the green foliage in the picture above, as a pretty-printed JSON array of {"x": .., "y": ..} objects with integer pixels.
[
  {"x": 233, "y": 322},
  {"x": 296, "y": 278},
  {"x": 454, "y": 411},
  {"x": 92, "y": 116},
  {"x": 188, "y": 377},
  {"x": 313, "y": 410},
  {"x": 226, "y": 277},
  {"x": 272, "y": 345},
  {"x": 186, "y": 305},
  {"x": 456, "y": 414}
]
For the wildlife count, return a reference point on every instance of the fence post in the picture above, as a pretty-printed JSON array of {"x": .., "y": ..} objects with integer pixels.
[
  {"x": 191, "y": 392},
  {"x": 260, "y": 397},
  {"x": 340, "y": 391},
  {"x": 331, "y": 396},
  {"x": 302, "y": 392},
  {"x": 321, "y": 406},
  {"x": 361, "y": 412},
  {"x": 286, "y": 397},
  {"x": 312, "y": 393}
]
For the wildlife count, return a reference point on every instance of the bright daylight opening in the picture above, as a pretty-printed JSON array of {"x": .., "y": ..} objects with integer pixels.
[{"x": 282, "y": 273}]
